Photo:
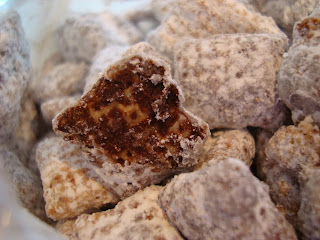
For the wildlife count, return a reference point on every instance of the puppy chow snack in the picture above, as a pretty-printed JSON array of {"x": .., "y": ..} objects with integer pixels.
[
  {"x": 309, "y": 212},
  {"x": 290, "y": 150},
  {"x": 229, "y": 80},
  {"x": 63, "y": 80},
  {"x": 299, "y": 84},
  {"x": 15, "y": 72},
  {"x": 225, "y": 144},
  {"x": 132, "y": 124},
  {"x": 50, "y": 108},
  {"x": 224, "y": 201},
  {"x": 25, "y": 183},
  {"x": 81, "y": 37},
  {"x": 203, "y": 18},
  {"x": 100, "y": 62},
  {"x": 68, "y": 189},
  {"x": 137, "y": 217}
]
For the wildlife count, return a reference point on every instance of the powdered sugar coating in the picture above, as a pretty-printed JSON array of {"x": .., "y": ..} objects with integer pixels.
[
  {"x": 309, "y": 212},
  {"x": 52, "y": 107},
  {"x": 224, "y": 201},
  {"x": 289, "y": 151},
  {"x": 25, "y": 183},
  {"x": 215, "y": 73},
  {"x": 204, "y": 18},
  {"x": 68, "y": 191},
  {"x": 63, "y": 80},
  {"x": 133, "y": 126},
  {"x": 100, "y": 62},
  {"x": 299, "y": 84},
  {"x": 225, "y": 144},
  {"x": 137, "y": 217},
  {"x": 15, "y": 72}
]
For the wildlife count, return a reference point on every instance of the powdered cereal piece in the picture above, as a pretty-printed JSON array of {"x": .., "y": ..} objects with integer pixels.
[
  {"x": 63, "y": 80},
  {"x": 25, "y": 183},
  {"x": 137, "y": 217},
  {"x": 289, "y": 151},
  {"x": 224, "y": 144},
  {"x": 145, "y": 48},
  {"x": 204, "y": 18},
  {"x": 224, "y": 201},
  {"x": 81, "y": 37},
  {"x": 132, "y": 124},
  {"x": 68, "y": 191},
  {"x": 215, "y": 73},
  {"x": 15, "y": 72},
  {"x": 309, "y": 212},
  {"x": 52, "y": 107},
  {"x": 287, "y": 12},
  {"x": 299, "y": 84},
  {"x": 100, "y": 62},
  {"x": 67, "y": 229}
]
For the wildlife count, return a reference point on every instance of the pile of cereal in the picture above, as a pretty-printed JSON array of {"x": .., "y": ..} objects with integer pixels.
[{"x": 188, "y": 119}]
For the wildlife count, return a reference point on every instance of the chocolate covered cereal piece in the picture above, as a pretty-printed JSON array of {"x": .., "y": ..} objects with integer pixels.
[
  {"x": 63, "y": 80},
  {"x": 137, "y": 217},
  {"x": 25, "y": 183},
  {"x": 204, "y": 18},
  {"x": 100, "y": 62},
  {"x": 225, "y": 144},
  {"x": 132, "y": 124},
  {"x": 299, "y": 84},
  {"x": 15, "y": 72},
  {"x": 68, "y": 191},
  {"x": 224, "y": 201},
  {"x": 289, "y": 151},
  {"x": 229, "y": 80},
  {"x": 52, "y": 107},
  {"x": 309, "y": 212}
]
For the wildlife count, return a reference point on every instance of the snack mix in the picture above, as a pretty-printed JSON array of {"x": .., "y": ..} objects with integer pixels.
[{"x": 185, "y": 119}]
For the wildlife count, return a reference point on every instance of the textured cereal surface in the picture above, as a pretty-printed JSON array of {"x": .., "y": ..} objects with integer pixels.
[
  {"x": 132, "y": 123},
  {"x": 137, "y": 217},
  {"x": 225, "y": 144},
  {"x": 63, "y": 80},
  {"x": 100, "y": 62},
  {"x": 15, "y": 72},
  {"x": 224, "y": 201},
  {"x": 299, "y": 84},
  {"x": 289, "y": 151},
  {"x": 67, "y": 229},
  {"x": 309, "y": 212},
  {"x": 287, "y": 12},
  {"x": 215, "y": 73},
  {"x": 24, "y": 182},
  {"x": 50, "y": 108},
  {"x": 204, "y": 18},
  {"x": 68, "y": 191}
]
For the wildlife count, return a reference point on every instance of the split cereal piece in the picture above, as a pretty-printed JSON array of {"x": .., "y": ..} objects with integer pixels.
[
  {"x": 224, "y": 201},
  {"x": 286, "y": 13},
  {"x": 100, "y": 62},
  {"x": 229, "y": 80},
  {"x": 299, "y": 84},
  {"x": 68, "y": 191},
  {"x": 204, "y": 18},
  {"x": 309, "y": 212},
  {"x": 137, "y": 217},
  {"x": 132, "y": 124},
  {"x": 63, "y": 80},
  {"x": 24, "y": 182},
  {"x": 225, "y": 144},
  {"x": 82, "y": 37},
  {"x": 52, "y": 107},
  {"x": 15, "y": 72},
  {"x": 289, "y": 151}
]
